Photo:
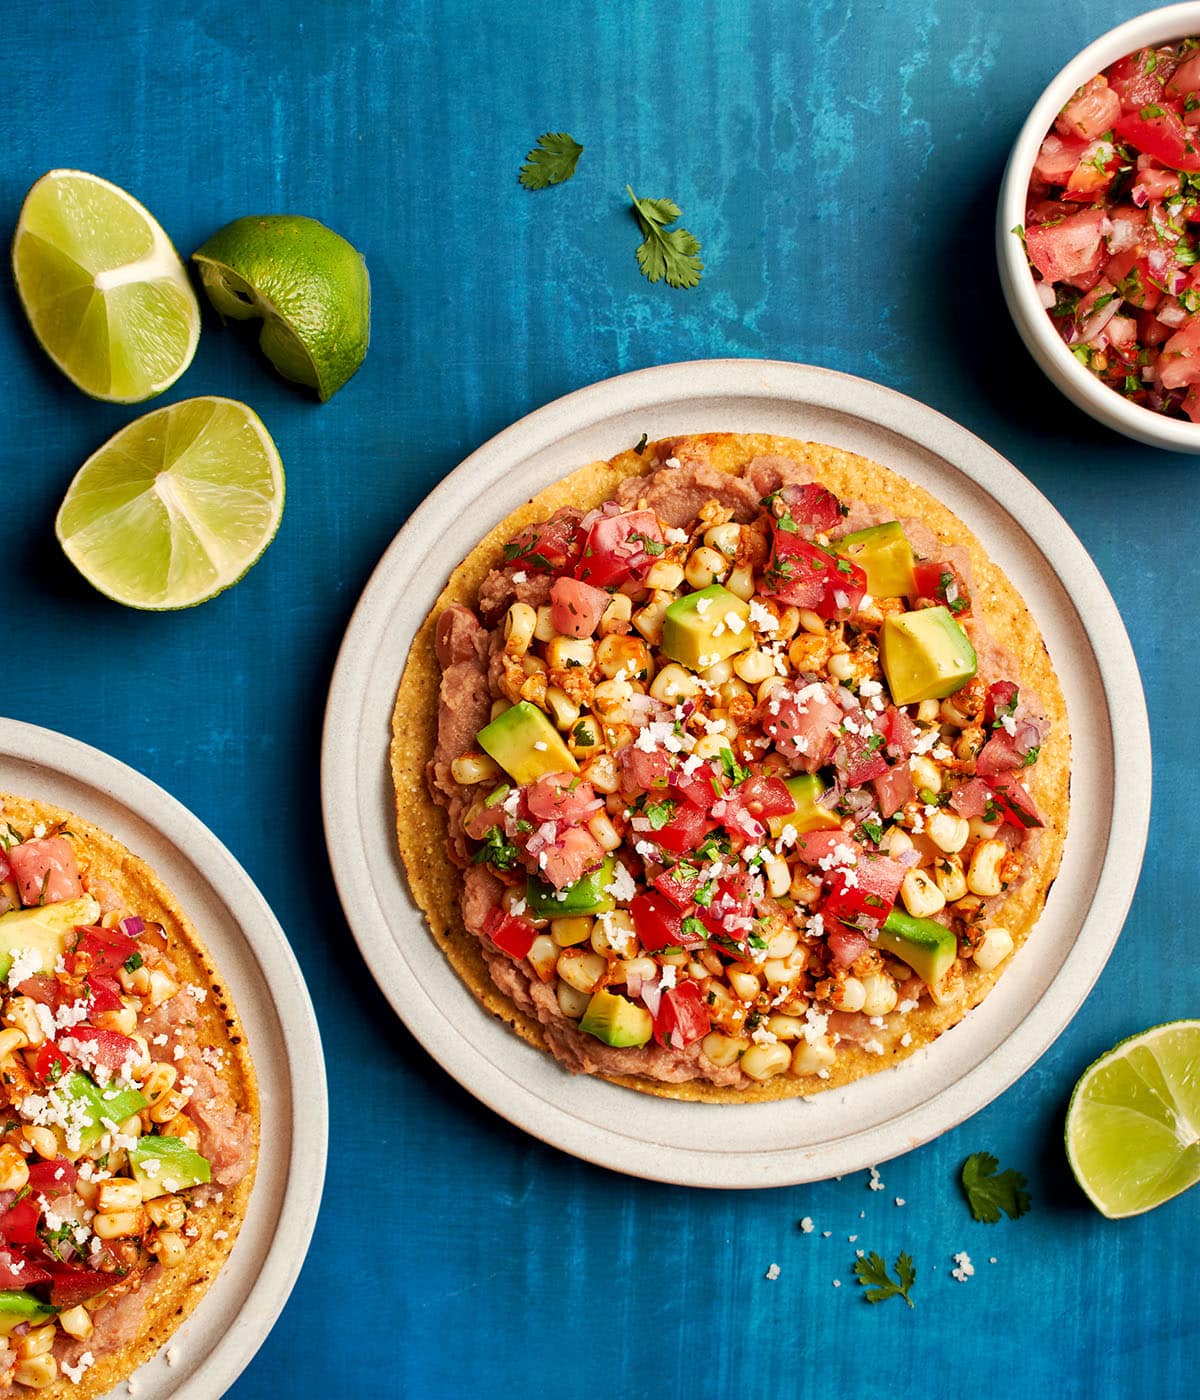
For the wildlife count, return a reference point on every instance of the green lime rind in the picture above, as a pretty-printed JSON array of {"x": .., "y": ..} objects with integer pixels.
[
  {"x": 1132, "y": 1130},
  {"x": 308, "y": 285},
  {"x": 176, "y": 507},
  {"x": 105, "y": 293}
]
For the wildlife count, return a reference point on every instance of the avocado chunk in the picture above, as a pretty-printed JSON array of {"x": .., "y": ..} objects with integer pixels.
[
  {"x": 886, "y": 557},
  {"x": 925, "y": 655},
  {"x": 928, "y": 947},
  {"x": 164, "y": 1165},
  {"x": 19, "y": 1306},
  {"x": 808, "y": 816},
  {"x": 585, "y": 896},
  {"x": 615, "y": 1021},
  {"x": 525, "y": 744},
  {"x": 46, "y": 930},
  {"x": 113, "y": 1102},
  {"x": 703, "y": 628}
]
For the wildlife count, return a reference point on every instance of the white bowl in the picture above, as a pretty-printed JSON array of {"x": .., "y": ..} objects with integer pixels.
[{"x": 1020, "y": 290}]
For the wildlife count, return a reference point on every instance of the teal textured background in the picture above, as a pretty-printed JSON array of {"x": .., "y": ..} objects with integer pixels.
[{"x": 839, "y": 161}]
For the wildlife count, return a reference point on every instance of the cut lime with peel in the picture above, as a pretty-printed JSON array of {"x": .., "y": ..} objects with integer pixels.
[
  {"x": 176, "y": 507},
  {"x": 104, "y": 290},
  {"x": 309, "y": 286},
  {"x": 1133, "y": 1125}
]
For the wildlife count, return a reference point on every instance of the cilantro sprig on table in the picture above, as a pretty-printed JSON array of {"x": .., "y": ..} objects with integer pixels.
[
  {"x": 551, "y": 161},
  {"x": 989, "y": 1192},
  {"x": 665, "y": 252},
  {"x": 872, "y": 1273}
]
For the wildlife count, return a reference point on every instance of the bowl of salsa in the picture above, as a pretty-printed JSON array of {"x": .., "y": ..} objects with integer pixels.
[{"x": 1098, "y": 229}]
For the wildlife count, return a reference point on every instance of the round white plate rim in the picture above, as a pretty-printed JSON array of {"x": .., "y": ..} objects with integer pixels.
[
  {"x": 52, "y": 752},
  {"x": 823, "y": 392}
]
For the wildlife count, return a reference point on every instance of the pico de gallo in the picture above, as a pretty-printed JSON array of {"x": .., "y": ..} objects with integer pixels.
[
  {"x": 1111, "y": 227},
  {"x": 745, "y": 795}
]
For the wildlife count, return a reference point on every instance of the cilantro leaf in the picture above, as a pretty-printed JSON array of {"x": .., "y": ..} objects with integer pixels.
[
  {"x": 872, "y": 1273},
  {"x": 990, "y": 1192},
  {"x": 496, "y": 850},
  {"x": 665, "y": 252},
  {"x": 659, "y": 814},
  {"x": 551, "y": 161}
]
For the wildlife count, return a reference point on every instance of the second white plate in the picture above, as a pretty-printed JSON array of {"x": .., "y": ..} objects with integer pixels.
[{"x": 888, "y": 1113}]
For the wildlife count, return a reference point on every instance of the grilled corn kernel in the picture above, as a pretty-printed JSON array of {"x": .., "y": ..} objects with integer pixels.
[
  {"x": 601, "y": 827},
  {"x": 779, "y": 877},
  {"x": 666, "y": 573},
  {"x": 519, "y": 624},
  {"x": 921, "y": 896},
  {"x": 159, "y": 1081},
  {"x": 848, "y": 995},
  {"x": 950, "y": 878},
  {"x": 897, "y": 841},
  {"x": 544, "y": 628},
  {"x": 168, "y": 1106},
  {"x": 783, "y": 943},
  {"x": 785, "y": 1027},
  {"x": 741, "y": 582},
  {"x": 469, "y": 768},
  {"x": 119, "y": 1224},
  {"x": 766, "y": 1061},
  {"x": 162, "y": 987},
  {"x": 881, "y": 995},
  {"x": 124, "y": 1022},
  {"x": 616, "y": 616},
  {"x": 182, "y": 1127},
  {"x": 37, "y": 1372},
  {"x": 745, "y": 983},
  {"x": 137, "y": 982},
  {"x": 21, "y": 1015},
  {"x": 563, "y": 710},
  {"x": 571, "y": 1002},
  {"x": 12, "y": 1040},
  {"x": 983, "y": 876},
  {"x": 711, "y": 745},
  {"x": 649, "y": 620},
  {"x": 568, "y": 932},
  {"x": 118, "y": 1194},
  {"x": 841, "y": 667},
  {"x": 674, "y": 683},
  {"x": 981, "y": 830},
  {"x": 581, "y": 969},
  {"x": 724, "y": 538},
  {"x": 754, "y": 666},
  {"x": 76, "y": 1322},
  {"x": 614, "y": 934},
  {"x": 996, "y": 945},
  {"x": 927, "y": 711},
  {"x": 705, "y": 566},
  {"x": 36, "y": 1342},
  {"x": 498, "y": 708},
  {"x": 812, "y": 622},
  {"x": 926, "y": 775},
  {"x": 14, "y": 1170},
  {"x": 724, "y": 1050},
  {"x": 950, "y": 989},
  {"x": 43, "y": 1142},
  {"x": 811, "y": 1056},
  {"x": 167, "y": 1212},
  {"x": 611, "y": 700},
  {"x": 562, "y": 653},
  {"x": 948, "y": 832},
  {"x": 169, "y": 1248}
]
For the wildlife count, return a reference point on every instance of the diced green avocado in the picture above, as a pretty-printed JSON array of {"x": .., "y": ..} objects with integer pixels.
[
  {"x": 585, "y": 896},
  {"x": 525, "y": 744},
  {"x": 928, "y": 947},
  {"x": 703, "y": 628},
  {"x": 18, "y": 1306},
  {"x": 808, "y": 816},
  {"x": 113, "y": 1102},
  {"x": 46, "y": 930},
  {"x": 615, "y": 1021},
  {"x": 164, "y": 1165},
  {"x": 885, "y": 555},
  {"x": 925, "y": 655}
]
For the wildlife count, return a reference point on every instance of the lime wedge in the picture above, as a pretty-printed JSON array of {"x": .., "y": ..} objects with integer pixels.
[
  {"x": 104, "y": 290},
  {"x": 1133, "y": 1125},
  {"x": 176, "y": 507},
  {"x": 309, "y": 286}
]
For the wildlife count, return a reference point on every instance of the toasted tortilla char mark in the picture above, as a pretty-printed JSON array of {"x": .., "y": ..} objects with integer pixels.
[
  {"x": 421, "y": 825},
  {"x": 140, "y": 1322}
]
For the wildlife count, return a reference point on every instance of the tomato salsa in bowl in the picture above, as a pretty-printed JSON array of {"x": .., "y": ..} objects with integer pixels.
[{"x": 1098, "y": 232}]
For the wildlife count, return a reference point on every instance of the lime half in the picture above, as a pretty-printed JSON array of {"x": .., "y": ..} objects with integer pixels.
[
  {"x": 306, "y": 282},
  {"x": 104, "y": 290},
  {"x": 1133, "y": 1125},
  {"x": 176, "y": 507}
]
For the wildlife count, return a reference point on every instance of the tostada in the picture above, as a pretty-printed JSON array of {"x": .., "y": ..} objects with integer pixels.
[{"x": 730, "y": 769}]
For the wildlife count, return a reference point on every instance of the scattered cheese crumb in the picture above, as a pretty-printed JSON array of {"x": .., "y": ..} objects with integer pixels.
[
  {"x": 172, "y": 1355},
  {"x": 773, "y": 1272},
  {"x": 806, "y": 1225},
  {"x": 837, "y": 1283},
  {"x": 875, "y": 1184},
  {"x": 992, "y": 1260},
  {"x": 825, "y": 1234},
  {"x": 520, "y": 576},
  {"x": 75, "y": 1373},
  {"x": 851, "y": 1239},
  {"x": 964, "y": 1268},
  {"x": 900, "y": 1201}
]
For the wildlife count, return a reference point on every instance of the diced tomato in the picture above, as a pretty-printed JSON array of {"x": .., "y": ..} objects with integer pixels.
[
  {"x": 864, "y": 895},
  {"x": 18, "y": 1272},
  {"x": 1155, "y": 184},
  {"x": 898, "y": 730},
  {"x": 509, "y": 932},
  {"x": 799, "y": 571},
  {"x": 644, "y": 772},
  {"x": 882, "y": 876},
  {"x": 1159, "y": 132},
  {"x": 1151, "y": 331},
  {"x": 729, "y": 912},
  {"x": 1191, "y": 404},
  {"x": 846, "y": 944},
  {"x": 703, "y": 787},
  {"x": 561, "y": 797},
  {"x": 679, "y": 884},
  {"x": 864, "y": 759},
  {"x": 752, "y": 802},
  {"x": 815, "y": 846},
  {"x": 804, "y": 726},
  {"x": 94, "y": 1046},
  {"x": 893, "y": 789},
  {"x": 51, "y": 1064},
  {"x": 657, "y": 921},
  {"x": 1186, "y": 78},
  {"x": 1136, "y": 80},
  {"x": 18, "y": 1224},
  {"x": 1091, "y": 112},
  {"x": 971, "y": 799},
  {"x": 1057, "y": 159},
  {"x": 5, "y": 868},
  {"x": 569, "y": 856},
  {"x": 1094, "y": 173},
  {"x": 1001, "y": 699},
  {"x": 71, "y": 1285},
  {"x": 106, "y": 951},
  {"x": 620, "y": 547},
  {"x": 682, "y": 1016},
  {"x": 844, "y": 592},
  {"x": 1071, "y": 250},
  {"x": 811, "y": 504},
  {"x": 943, "y": 584},
  {"x": 575, "y": 607},
  {"x": 1179, "y": 362},
  {"x": 685, "y": 830},
  {"x": 1016, "y": 805},
  {"x": 56, "y": 1177},
  {"x": 45, "y": 871},
  {"x": 547, "y": 548},
  {"x": 103, "y": 995}
]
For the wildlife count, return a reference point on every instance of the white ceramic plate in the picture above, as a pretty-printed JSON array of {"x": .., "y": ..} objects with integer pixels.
[
  {"x": 216, "y": 1343},
  {"x": 887, "y": 1113}
]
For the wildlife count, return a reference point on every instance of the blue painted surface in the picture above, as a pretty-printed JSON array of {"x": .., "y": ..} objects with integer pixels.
[{"x": 839, "y": 161}]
